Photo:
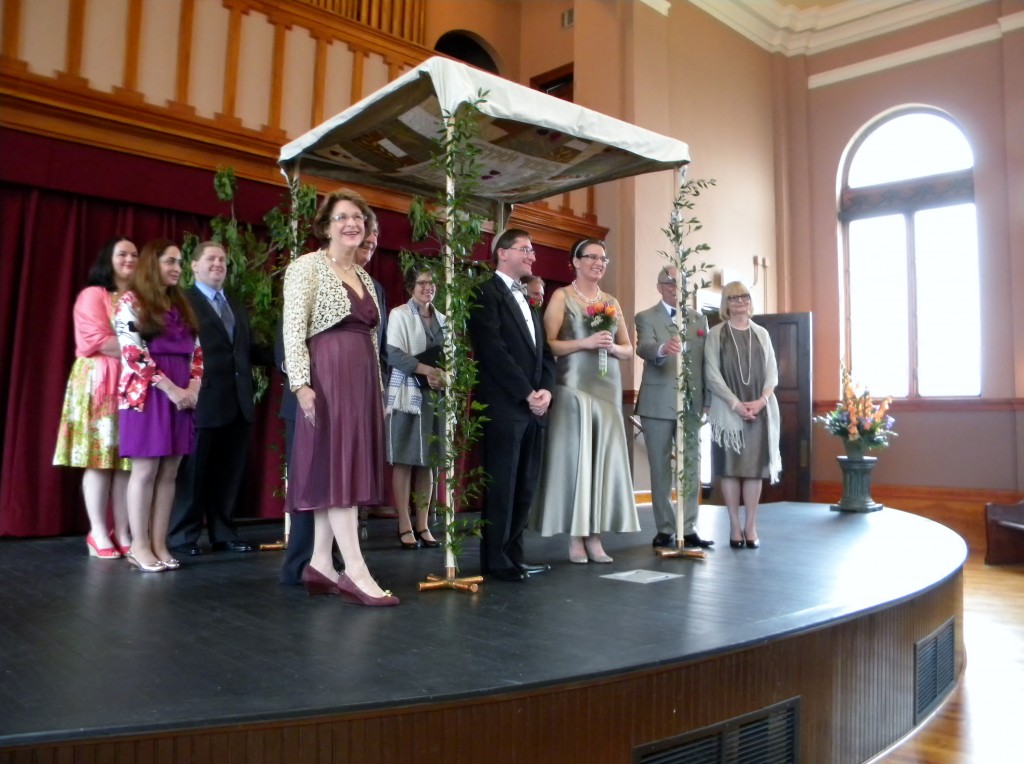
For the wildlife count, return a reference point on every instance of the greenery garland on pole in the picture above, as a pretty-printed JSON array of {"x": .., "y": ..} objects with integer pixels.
[
  {"x": 452, "y": 222},
  {"x": 691, "y": 278},
  {"x": 255, "y": 263}
]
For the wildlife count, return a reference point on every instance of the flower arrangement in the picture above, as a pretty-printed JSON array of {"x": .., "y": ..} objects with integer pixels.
[
  {"x": 856, "y": 418},
  {"x": 602, "y": 317}
]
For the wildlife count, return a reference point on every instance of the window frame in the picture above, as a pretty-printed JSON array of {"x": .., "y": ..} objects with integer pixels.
[{"x": 904, "y": 198}]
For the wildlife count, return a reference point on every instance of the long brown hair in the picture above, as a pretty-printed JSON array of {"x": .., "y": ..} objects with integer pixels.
[{"x": 154, "y": 297}]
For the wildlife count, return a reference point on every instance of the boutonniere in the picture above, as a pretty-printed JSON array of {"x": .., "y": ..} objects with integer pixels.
[
  {"x": 700, "y": 332},
  {"x": 535, "y": 302}
]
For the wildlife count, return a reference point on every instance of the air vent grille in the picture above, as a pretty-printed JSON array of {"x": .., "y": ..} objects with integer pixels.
[
  {"x": 768, "y": 736},
  {"x": 934, "y": 659}
]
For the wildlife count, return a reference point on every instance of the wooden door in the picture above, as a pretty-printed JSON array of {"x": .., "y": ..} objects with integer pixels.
[{"x": 791, "y": 338}]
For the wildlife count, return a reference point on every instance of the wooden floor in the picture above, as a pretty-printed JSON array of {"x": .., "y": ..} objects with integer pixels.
[{"x": 981, "y": 722}]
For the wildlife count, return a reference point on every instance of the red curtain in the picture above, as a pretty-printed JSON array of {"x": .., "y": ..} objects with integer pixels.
[
  {"x": 49, "y": 240},
  {"x": 59, "y": 202}
]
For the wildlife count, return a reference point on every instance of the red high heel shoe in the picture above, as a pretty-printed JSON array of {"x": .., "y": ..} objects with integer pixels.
[
  {"x": 124, "y": 550},
  {"x": 353, "y": 595},
  {"x": 316, "y": 582},
  {"x": 103, "y": 554}
]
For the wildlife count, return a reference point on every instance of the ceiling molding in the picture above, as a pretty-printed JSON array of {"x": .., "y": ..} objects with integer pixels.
[
  {"x": 909, "y": 56},
  {"x": 789, "y": 30},
  {"x": 661, "y": 6}
]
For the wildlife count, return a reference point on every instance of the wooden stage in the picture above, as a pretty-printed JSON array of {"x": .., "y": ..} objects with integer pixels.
[{"x": 821, "y": 646}]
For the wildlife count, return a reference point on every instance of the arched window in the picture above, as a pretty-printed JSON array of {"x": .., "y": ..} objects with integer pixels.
[{"x": 912, "y": 297}]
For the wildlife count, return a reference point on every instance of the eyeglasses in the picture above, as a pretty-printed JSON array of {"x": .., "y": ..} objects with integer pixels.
[
  {"x": 343, "y": 218},
  {"x": 739, "y": 298},
  {"x": 670, "y": 282},
  {"x": 596, "y": 258},
  {"x": 524, "y": 250},
  {"x": 424, "y": 283}
]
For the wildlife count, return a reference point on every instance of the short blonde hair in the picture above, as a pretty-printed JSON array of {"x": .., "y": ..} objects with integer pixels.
[{"x": 733, "y": 289}]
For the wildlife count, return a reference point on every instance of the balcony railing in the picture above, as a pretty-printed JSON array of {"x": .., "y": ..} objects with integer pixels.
[{"x": 208, "y": 83}]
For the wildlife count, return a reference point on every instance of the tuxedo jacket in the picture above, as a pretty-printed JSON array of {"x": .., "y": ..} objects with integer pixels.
[
  {"x": 654, "y": 327},
  {"x": 510, "y": 365},
  {"x": 226, "y": 390}
]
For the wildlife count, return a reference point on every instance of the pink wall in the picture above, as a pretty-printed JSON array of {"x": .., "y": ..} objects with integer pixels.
[
  {"x": 968, "y": 85},
  {"x": 775, "y": 145}
]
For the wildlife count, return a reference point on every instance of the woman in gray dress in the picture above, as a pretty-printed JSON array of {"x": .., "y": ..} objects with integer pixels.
[
  {"x": 414, "y": 425},
  {"x": 585, "y": 485},
  {"x": 741, "y": 374}
]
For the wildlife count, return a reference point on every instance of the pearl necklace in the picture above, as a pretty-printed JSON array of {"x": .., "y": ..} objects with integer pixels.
[
  {"x": 750, "y": 350},
  {"x": 583, "y": 297},
  {"x": 335, "y": 261}
]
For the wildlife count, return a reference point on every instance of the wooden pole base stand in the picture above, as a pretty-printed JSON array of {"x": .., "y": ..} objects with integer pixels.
[
  {"x": 449, "y": 581},
  {"x": 685, "y": 554}
]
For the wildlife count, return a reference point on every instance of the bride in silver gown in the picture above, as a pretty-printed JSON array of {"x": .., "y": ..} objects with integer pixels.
[{"x": 585, "y": 486}]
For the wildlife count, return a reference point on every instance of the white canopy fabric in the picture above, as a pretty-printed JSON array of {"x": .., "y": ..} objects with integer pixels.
[{"x": 532, "y": 145}]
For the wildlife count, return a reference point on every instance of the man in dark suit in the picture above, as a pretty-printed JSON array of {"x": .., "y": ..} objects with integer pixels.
[
  {"x": 657, "y": 342},
  {"x": 516, "y": 373},
  {"x": 210, "y": 479},
  {"x": 300, "y": 529}
]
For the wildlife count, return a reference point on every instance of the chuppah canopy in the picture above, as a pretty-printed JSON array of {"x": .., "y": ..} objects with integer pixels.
[{"x": 532, "y": 145}]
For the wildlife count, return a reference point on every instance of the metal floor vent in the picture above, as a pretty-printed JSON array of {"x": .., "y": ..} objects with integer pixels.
[
  {"x": 768, "y": 736},
  {"x": 933, "y": 669}
]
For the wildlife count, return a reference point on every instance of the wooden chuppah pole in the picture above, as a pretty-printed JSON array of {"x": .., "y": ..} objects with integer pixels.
[
  {"x": 683, "y": 401},
  {"x": 450, "y": 579}
]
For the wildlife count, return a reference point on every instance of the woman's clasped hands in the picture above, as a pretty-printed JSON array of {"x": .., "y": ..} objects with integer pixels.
[{"x": 748, "y": 410}]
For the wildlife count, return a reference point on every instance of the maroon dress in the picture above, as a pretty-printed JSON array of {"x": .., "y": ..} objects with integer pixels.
[{"x": 340, "y": 461}]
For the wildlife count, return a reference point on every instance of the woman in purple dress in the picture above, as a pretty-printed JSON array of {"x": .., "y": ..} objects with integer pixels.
[
  {"x": 332, "y": 358},
  {"x": 161, "y": 368}
]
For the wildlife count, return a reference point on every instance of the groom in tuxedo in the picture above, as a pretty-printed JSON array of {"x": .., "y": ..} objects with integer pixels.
[{"x": 516, "y": 373}]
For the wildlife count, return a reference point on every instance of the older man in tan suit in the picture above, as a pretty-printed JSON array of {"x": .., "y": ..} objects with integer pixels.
[{"x": 659, "y": 345}]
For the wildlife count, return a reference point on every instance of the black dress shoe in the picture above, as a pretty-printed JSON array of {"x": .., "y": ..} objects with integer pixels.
[
  {"x": 233, "y": 546},
  {"x": 664, "y": 541},
  {"x": 507, "y": 574},
  {"x": 187, "y": 550},
  {"x": 532, "y": 569},
  {"x": 693, "y": 540}
]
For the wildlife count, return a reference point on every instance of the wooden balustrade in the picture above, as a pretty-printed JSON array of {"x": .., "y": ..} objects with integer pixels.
[
  {"x": 208, "y": 83},
  {"x": 402, "y": 18}
]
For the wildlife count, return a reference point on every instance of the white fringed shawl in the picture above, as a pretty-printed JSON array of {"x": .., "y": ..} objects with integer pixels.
[
  {"x": 405, "y": 331},
  {"x": 726, "y": 425}
]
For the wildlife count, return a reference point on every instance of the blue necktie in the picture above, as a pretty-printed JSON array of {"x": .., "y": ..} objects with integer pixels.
[{"x": 224, "y": 310}]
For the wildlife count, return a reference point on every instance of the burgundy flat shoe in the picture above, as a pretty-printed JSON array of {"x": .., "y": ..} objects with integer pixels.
[
  {"x": 316, "y": 582},
  {"x": 353, "y": 595}
]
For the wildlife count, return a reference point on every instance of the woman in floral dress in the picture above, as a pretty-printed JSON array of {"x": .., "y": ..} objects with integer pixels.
[{"x": 87, "y": 437}]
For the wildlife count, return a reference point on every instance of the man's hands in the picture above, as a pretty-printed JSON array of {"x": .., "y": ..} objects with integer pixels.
[{"x": 539, "y": 401}]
